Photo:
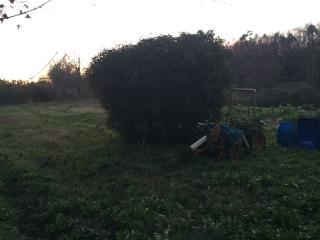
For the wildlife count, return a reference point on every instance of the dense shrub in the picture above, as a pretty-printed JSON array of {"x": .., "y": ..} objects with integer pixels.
[{"x": 158, "y": 89}]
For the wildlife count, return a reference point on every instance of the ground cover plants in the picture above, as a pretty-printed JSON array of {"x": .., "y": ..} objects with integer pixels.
[{"x": 65, "y": 175}]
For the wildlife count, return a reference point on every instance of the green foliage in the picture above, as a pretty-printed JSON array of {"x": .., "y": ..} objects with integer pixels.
[
  {"x": 158, "y": 89},
  {"x": 297, "y": 96}
]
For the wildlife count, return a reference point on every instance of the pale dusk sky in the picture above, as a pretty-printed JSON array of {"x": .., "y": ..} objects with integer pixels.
[{"x": 84, "y": 27}]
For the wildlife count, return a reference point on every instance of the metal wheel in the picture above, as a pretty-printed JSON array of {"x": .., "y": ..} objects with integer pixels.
[{"x": 258, "y": 141}]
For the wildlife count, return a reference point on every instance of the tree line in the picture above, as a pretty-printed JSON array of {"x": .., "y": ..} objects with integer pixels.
[
  {"x": 285, "y": 67},
  {"x": 64, "y": 82}
]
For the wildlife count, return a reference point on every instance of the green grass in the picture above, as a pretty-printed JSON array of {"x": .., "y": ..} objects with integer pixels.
[{"x": 65, "y": 175}]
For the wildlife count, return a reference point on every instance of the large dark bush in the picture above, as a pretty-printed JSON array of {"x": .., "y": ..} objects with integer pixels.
[{"x": 158, "y": 89}]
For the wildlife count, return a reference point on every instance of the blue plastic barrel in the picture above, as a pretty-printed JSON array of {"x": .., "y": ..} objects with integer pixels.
[
  {"x": 287, "y": 133},
  {"x": 309, "y": 133}
]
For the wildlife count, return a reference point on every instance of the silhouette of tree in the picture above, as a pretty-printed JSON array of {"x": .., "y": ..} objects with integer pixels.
[
  {"x": 264, "y": 60},
  {"x": 280, "y": 62},
  {"x": 65, "y": 76},
  {"x": 312, "y": 33}
]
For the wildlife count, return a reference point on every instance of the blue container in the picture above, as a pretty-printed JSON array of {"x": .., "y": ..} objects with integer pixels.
[
  {"x": 287, "y": 133},
  {"x": 309, "y": 133}
]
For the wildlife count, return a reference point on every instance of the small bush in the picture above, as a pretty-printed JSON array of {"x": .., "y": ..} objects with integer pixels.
[
  {"x": 305, "y": 95},
  {"x": 158, "y": 89},
  {"x": 43, "y": 92}
]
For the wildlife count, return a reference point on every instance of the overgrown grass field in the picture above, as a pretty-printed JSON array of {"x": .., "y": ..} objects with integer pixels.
[{"x": 65, "y": 175}]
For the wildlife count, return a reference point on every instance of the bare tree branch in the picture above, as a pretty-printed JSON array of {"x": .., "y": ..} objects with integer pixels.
[{"x": 5, "y": 16}]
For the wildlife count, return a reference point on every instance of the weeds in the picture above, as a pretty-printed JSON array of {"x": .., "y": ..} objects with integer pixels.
[{"x": 91, "y": 185}]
